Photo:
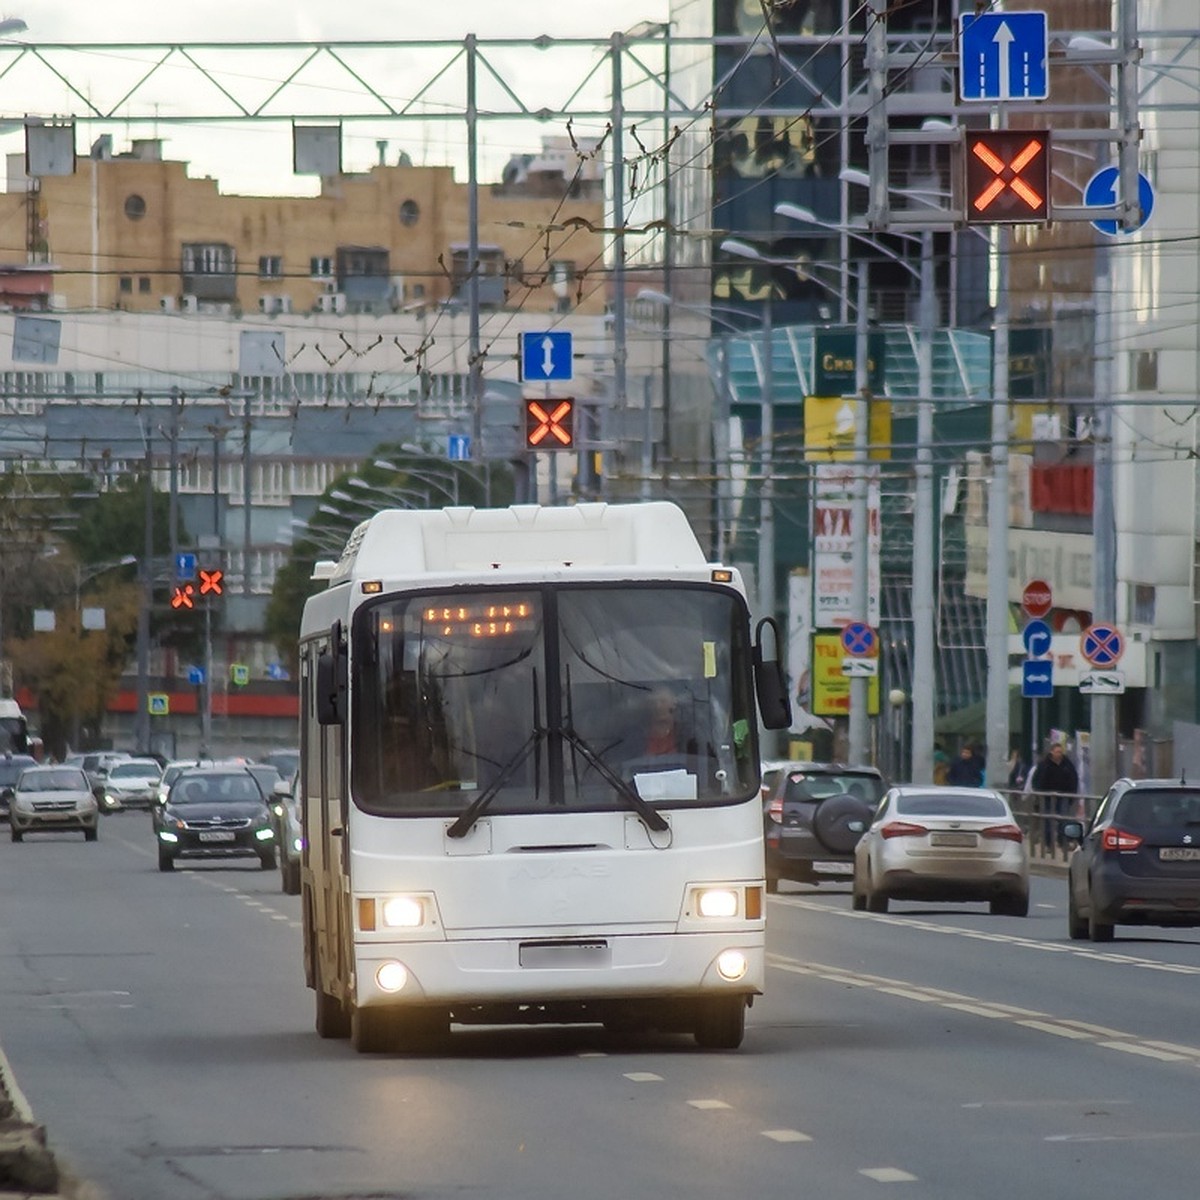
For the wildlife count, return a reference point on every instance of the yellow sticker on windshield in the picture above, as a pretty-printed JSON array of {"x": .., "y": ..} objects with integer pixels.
[{"x": 710, "y": 660}]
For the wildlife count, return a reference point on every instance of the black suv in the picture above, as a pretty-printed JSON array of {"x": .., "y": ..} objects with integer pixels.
[
  {"x": 1138, "y": 863},
  {"x": 215, "y": 812},
  {"x": 813, "y": 816}
]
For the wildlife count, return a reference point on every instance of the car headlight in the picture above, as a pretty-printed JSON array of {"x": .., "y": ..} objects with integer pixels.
[{"x": 264, "y": 835}]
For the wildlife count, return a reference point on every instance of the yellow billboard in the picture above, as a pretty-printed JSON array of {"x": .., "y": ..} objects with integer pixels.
[
  {"x": 829, "y": 428},
  {"x": 830, "y": 688}
]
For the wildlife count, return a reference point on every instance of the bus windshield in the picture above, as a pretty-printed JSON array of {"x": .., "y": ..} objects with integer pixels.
[{"x": 552, "y": 697}]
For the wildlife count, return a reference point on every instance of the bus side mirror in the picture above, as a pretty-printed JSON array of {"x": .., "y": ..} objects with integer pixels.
[
  {"x": 770, "y": 683},
  {"x": 332, "y": 687}
]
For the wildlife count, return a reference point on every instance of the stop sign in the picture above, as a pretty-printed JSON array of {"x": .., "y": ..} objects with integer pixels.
[{"x": 1036, "y": 599}]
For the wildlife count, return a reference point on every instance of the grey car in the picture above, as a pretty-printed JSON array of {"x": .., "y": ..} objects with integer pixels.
[
  {"x": 1138, "y": 863},
  {"x": 53, "y": 799},
  {"x": 813, "y": 818}
]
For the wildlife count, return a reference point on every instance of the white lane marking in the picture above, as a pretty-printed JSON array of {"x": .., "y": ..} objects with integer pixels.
[
  {"x": 786, "y": 1135},
  {"x": 1131, "y": 960},
  {"x": 708, "y": 1104},
  {"x": 1109, "y": 1039},
  {"x": 887, "y": 1175},
  {"x": 1057, "y": 1030},
  {"x": 643, "y": 1077},
  {"x": 1144, "y": 1049}
]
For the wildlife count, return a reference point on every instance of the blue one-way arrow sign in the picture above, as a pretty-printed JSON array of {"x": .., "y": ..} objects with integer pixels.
[
  {"x": 547, "y": 357},
  {"x": 1002, "y": 56}
]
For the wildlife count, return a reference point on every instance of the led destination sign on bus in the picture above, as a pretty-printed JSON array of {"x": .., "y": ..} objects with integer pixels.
[{"x": 482, "y": 620}]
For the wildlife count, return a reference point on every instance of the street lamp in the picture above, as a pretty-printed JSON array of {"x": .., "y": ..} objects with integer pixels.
[
  {"x": 406, "y": 497},
  {"x": 438, "y": 479}
]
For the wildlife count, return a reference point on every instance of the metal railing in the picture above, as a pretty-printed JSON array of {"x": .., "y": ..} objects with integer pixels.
[{"x": 1041, "y": 816}]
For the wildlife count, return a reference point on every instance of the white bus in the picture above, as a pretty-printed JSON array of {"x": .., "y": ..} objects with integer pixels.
[{"x": 494, "y": 830}]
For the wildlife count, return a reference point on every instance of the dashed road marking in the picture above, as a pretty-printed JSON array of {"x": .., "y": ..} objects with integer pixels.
[
  {"x": 643, "y": 1077},
  {"x": 1080, "y": 1031},
  {"x": 708, "y": 1104},
  {"x": 887, "y": 1175},
  {"x": 786, "y": 1135}
]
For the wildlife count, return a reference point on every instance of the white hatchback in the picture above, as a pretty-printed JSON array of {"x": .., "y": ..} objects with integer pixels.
[
  {"x": 53, "y": 798},
  {"x": 943, "y": 843}
]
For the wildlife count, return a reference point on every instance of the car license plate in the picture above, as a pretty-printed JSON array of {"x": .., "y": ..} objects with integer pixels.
[
  {"x": 952, "y": 839},
  {"x": 1179, "y": 853},
  {"x": 834, "y": 868},
  {"x": 218, "y": 835}
]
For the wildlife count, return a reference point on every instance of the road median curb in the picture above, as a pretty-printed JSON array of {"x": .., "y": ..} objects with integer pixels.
[{"x": 27, "y": 1165}]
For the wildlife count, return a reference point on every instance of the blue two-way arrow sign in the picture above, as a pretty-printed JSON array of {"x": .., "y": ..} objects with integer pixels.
[
  {"x": 547, "y": 357},
  {"x": 1002, "y": 56},
  {"x": 1037, "y": 679}
]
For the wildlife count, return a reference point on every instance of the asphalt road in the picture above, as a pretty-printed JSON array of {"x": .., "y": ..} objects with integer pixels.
[{"x": 160, "y": 1028}]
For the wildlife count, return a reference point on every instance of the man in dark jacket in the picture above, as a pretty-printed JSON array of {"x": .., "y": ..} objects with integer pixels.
[
  {"x": 1056, "y": 778},
  {"x": 967, "y": 769}
]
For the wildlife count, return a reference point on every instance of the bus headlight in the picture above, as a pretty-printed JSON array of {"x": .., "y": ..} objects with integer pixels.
[
  {"x": 391, "y": 976},
  {"x": 732, "y": 965},
  {"x": 717, "y": 902},
  {"x": 402, "y": 912}
]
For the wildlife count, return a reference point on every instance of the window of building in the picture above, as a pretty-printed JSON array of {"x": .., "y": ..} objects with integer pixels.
[
  {"x": 270, "y": 266},
  {"x": 320, "y": 268},
  {"x": 126, "y": 285},
  {"x": 135, "y": 207},
  {"x": 144, "y": 284},
  {"x": 209, "y": 258},
  {"x": 410, "y": 213}
]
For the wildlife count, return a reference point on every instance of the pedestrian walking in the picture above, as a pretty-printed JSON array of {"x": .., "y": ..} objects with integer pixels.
[{"x": 1055, "y": 778}]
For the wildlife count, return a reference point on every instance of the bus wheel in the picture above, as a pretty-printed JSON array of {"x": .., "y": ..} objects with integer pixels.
[
  {"x": 721, "y": 1023},
  {"x": 372, "y": 1030},
  {"x": 332, "y": 1021}
]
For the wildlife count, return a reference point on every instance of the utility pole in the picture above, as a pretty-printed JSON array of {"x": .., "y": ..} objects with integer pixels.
[
  {"x": 767, "y": 588},
  {"x": 141, "y": 718},
  {"x": 924, "y": 669},
  {"x": 997, "y": 557},
  {"x": 860, "y": 517}
]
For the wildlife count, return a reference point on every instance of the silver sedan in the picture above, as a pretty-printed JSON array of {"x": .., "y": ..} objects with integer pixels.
[{"x": 943, "y": 843}]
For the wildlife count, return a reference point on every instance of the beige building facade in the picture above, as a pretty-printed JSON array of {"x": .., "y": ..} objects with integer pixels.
[{"x": 135, "y": 232}]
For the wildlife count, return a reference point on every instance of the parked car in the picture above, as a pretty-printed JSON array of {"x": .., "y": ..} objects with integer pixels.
[
  {"x": 1138, "y": 863},
  {"x": 291, "y": 844},
  {"x": 214, "y": 812},
  {"x": 286, "y": 762},
  {"x": 943, "y": 843},
  {"x": 131, "y": 783},
  {"x": 813, "y": 818},
  {"x": 53, "y": 798},
  {"x": 11, "y": 766}
]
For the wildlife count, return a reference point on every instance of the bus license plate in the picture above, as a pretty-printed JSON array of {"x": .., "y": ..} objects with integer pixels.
[
  {"x": 555, "y": 955},
  {"x": 1179, "y": 854},
  {"x": 218, "y": 835}
]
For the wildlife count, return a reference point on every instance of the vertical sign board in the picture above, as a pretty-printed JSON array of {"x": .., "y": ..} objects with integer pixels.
[
  {"x": 833, "y": 544},
  {"x": 830, "y": 688}
]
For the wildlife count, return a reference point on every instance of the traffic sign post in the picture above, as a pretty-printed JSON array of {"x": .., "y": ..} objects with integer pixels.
[
  {"x": 1037, "y": 599},
  {"x": 1037, "y": 679},
  {"x": 1101, "y": 192},
  {"x": 1102, "y": 645},
  {"x": 547, "y": 357},
  {"x": 859, "y": 640},
  {"x": 1003, "y": 56},
  {"x": 1037, "y": 638}
]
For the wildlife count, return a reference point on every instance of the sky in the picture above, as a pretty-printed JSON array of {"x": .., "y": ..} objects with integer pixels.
[{"x": 256, "y": 157}]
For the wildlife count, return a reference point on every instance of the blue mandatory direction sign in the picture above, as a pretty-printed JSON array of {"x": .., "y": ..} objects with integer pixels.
[
  {"x": 1003, "y": 56},
  {"x": 185, "y": 566},
  {"x": 1036, "y": 636},
  {"x": 1101, "y": 191},
  {"x": 547, "y": 357},
  {"x": 859, "y": 641},
  {"x": 458, "y": 447},
  {"x": 1037, "y": 679},
  {"x": 1102, "y": 645},
  {"x": 196, "y": 676}
]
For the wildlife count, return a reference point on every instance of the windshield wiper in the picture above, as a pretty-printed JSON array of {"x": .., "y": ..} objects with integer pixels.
[
  {"x": 475, "y": 809},
  {"x": 653, "y": 820}
]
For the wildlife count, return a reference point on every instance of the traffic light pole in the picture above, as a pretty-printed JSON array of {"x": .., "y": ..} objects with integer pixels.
[{"x": 207, "y": 690}]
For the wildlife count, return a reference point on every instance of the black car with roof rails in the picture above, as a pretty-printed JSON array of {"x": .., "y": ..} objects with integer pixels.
[
  {"x": 813, "y": 816},
  {"x": 1138, "y": 861}
]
